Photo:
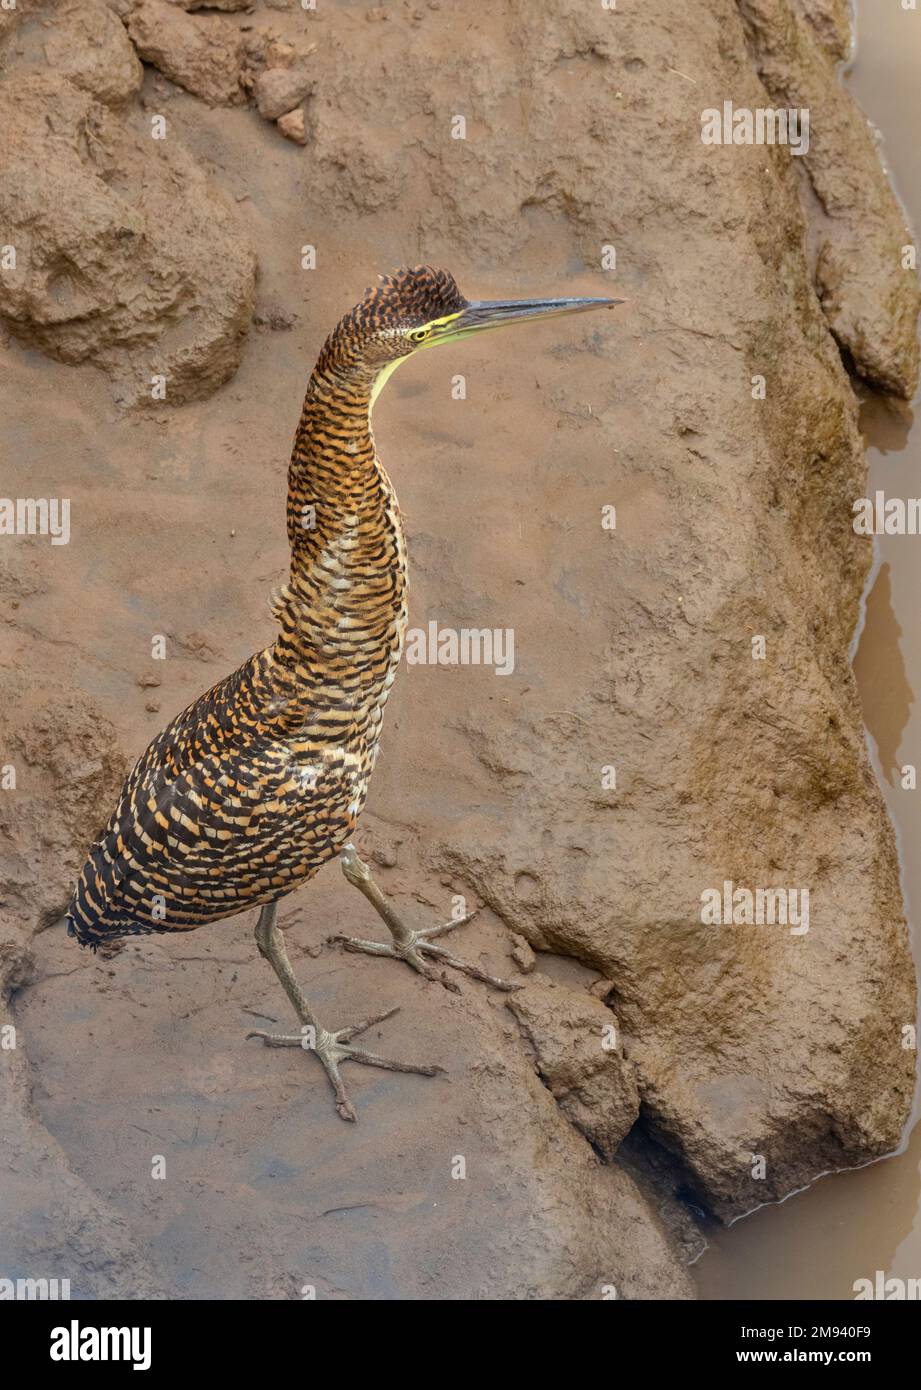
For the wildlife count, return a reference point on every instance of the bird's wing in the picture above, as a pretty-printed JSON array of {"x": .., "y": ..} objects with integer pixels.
[{"x": 206, "y": 790}]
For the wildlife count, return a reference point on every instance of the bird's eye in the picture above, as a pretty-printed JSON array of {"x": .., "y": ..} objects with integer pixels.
[{"x": 419, "y": 335}]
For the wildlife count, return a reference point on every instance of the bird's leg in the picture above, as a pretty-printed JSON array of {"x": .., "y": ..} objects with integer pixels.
[
  {"x": 331, "y": 1048},
  {"x": 416, "y": 947}
]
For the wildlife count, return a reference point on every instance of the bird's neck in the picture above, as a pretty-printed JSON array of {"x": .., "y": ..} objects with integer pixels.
[{"x": 345, "y": 599}]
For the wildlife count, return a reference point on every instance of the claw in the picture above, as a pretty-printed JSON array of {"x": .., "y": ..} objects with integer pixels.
[
  {"x": 346, "y": 1034},
  {"x": 429, "y": 932}
]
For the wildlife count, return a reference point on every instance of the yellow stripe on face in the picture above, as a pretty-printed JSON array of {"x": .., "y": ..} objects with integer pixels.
[
  {"x": 387, "y": 372},
  {"x": 448, "y": 318}
]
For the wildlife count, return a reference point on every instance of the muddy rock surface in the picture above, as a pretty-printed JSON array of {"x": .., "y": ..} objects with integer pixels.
[
  {"x": 595, "y": 1087},
  {"x": 117, "y": 237},
  {"x": 201, "y": 54},
  {"x": 868, "y": 297},
  {"x": 86, "y": 44},
  {"x": 636, "y": 756}
]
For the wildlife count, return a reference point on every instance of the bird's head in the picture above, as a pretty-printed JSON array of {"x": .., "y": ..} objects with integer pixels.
[{"x": 419, "y": 307}]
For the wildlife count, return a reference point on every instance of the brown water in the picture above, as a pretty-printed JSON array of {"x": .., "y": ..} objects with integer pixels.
[{"x": 815, "y": 1244}]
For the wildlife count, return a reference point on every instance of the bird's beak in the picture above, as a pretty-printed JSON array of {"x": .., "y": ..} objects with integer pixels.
[{"x": 496, "y": 313}]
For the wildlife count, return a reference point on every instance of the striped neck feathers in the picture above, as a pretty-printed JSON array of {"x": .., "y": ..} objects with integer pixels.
[{"x": 348, "y": 573}]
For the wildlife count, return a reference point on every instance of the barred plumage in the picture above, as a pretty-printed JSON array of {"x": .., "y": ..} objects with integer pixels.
[{"x": 260, "y": 781}]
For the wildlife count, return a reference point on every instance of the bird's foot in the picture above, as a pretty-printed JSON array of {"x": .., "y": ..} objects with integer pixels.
[
  {"x": 332, "y": 1048},
  {"x": 417, "y": 949}
]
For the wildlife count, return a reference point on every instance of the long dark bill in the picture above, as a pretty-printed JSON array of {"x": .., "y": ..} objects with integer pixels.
[{"x": 496, "y": 313}]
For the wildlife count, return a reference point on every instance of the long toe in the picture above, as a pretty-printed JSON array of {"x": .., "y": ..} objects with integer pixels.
[
  {"x": 371, "y": 1059},
  {"x": 466, "y": 967},
  {"x": 333, "y": 1053},
  {"x": 344, "y": 1035},
  {"x": 279, "y": 1039},
  {"x": 410, "y": 952}
]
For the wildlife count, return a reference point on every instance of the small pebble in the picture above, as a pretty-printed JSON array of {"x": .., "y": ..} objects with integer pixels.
[{"x": 292, "y": 126}]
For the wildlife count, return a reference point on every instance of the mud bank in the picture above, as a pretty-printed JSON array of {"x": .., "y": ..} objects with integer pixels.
[{"x": 633, "y": 646}]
